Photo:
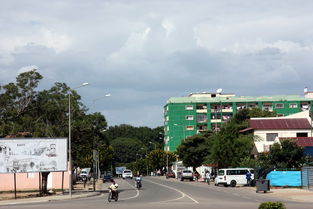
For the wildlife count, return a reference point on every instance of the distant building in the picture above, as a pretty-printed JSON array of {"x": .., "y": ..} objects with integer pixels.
[
  {"x": 267, "y": 131},
  {"x": 189, "y": 115}
]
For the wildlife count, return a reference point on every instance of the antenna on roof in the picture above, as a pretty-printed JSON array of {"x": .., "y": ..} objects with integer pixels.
[{"x": 219, "y": 90}]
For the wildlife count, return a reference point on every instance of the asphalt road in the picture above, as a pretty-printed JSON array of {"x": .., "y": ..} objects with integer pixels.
[{"x": 172, "y": 194}]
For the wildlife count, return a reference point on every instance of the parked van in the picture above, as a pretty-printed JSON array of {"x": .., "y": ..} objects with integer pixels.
[{"x": 233, "y": 176}]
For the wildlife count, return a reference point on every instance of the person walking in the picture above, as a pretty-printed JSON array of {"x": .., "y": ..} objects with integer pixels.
[
  {"x": 207, "y": 177},
  {"x": 248, "y": 178}
]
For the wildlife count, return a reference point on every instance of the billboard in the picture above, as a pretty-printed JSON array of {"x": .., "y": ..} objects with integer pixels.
[
  {"x": 25, "y": 155},
  {"x": 119, "y": 170}
]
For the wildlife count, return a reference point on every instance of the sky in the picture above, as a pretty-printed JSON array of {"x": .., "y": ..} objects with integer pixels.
[{"x": 143, "y": 52}]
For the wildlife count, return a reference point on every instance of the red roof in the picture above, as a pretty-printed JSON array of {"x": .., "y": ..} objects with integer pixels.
[
  {"x": 279, "y": 124},
  {"x": 300, "y": 141}
]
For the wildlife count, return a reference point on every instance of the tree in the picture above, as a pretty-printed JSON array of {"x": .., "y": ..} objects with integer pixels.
[
  {"x": 125, "y": 149},
  {"x": 193, "y": 151},
  {"x": 286, "y": 155},
  {"x": 158, "y": 159},
  {"x": 144, "y": 134},
  {"x": 230, "y": 148}
]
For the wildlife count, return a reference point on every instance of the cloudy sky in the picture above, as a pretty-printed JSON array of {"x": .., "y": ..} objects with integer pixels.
[{"x": 146, "y": 51}]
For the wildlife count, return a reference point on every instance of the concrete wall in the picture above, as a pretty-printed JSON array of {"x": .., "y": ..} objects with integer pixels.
[{"x": 30, "y": 181}]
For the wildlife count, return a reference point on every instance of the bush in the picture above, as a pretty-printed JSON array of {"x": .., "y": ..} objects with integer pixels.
[{"x": 272, "y": 205}]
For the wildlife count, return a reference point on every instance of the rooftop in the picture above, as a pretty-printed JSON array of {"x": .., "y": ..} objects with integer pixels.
[
  {"x": 221, "y": 98},
  {"x": 279, "y": 124},
  {"x": 300, "y": 141}
]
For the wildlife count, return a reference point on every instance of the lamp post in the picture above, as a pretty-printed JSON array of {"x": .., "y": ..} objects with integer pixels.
[
  {"x": 146, "y": 159},
  {"x": 69, "y": 138},
  {"x": 154, "y": 144},
  {"x": 94, "y": 100}
]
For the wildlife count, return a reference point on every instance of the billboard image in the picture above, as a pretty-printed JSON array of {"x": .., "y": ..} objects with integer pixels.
[
  {"x": 119, "y": 170},
  {"x": 33, "y": 155}
]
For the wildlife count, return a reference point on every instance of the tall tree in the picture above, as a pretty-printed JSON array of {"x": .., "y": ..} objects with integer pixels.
[
  {"x": 193, "y": 151},
  {"x": 158, "y": 159}
]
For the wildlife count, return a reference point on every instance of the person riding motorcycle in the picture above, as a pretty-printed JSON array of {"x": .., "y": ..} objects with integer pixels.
[
  {"x": 113, "y": 187},
  {"x": 138, "y": 183}
]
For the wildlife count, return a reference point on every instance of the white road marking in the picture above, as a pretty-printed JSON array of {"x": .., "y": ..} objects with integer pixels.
[
  {"x": 182, "y": 193},
  {"x": 137, "y": 193}
]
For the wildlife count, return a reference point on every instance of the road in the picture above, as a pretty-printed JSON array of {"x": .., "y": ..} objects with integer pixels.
[{"x": 169, "y": 193}]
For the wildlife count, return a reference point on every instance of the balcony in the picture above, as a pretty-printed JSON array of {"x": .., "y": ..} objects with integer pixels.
[
  {"x": 216, "y": 120},
  {"x": 202, "y": 111},
  {"x": 201, "y": 108}
]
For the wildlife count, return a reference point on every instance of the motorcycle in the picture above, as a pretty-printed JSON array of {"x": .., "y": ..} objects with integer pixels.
[
  {"x": 113, "y": 195},
  {"x": 138, "y": 183}
]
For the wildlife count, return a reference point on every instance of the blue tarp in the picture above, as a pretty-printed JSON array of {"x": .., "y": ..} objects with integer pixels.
[{"x": 284, "y": 178}]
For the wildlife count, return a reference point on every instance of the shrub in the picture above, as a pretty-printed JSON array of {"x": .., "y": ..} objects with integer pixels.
[{"x": 272, "y": 205}]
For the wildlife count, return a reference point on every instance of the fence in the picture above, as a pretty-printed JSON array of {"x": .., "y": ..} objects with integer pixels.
[{"x": 307, "y": 178}]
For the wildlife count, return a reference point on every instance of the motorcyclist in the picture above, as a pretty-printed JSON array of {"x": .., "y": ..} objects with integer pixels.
[
  {"x": 113, "y": 187},
  {"x": 138, "y": 180}
]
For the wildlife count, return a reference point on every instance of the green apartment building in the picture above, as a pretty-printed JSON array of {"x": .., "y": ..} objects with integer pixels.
[{"x": 187, "y": 116}]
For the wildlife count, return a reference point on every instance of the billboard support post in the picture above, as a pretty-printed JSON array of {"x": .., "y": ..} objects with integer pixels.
[
  {"x": 14, "y": 185},
  {"x": 62, "y": 186}
]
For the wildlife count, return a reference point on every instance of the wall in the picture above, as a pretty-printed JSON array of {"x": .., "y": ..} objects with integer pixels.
[
  {"x": 284, "y": 178},
  {"x": 30, "y": 181}
]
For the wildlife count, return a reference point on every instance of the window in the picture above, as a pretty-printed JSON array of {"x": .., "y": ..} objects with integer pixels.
[
  {"x": 303, "y": 134},
  {"x": 293, "y": 105},
  {"x": 236, "y": 172},
  {"x": 189, "y": 117},
  {"x": 188, "y": 107},
  {"x": 202, "y": 118},
  {"x": 279, "y": 106},
  {"x": 189, "y": 128},
  {"x": 270, "y": 137}
]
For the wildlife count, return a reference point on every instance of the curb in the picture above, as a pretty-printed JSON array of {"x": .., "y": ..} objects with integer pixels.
[{"x": 47, "y": 199}]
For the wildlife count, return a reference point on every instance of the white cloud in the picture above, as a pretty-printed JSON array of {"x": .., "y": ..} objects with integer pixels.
[
  {"x": 148, "y": 51},
  {"x": 133, "y": 46},
  {"x": 27, "y": 68}
]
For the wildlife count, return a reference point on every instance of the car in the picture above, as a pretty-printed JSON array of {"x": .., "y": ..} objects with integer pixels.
[
  {"x": 186, "y": 174},
  {"x": 85, "y": 174},
  {"x": 170, "y": 174},
  {"x": 127, "y": 174},
  {"x": 107, "y": 176}
]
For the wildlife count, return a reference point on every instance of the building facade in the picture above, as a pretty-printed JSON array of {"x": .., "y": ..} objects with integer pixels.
[{"x": 187, "y": 116}]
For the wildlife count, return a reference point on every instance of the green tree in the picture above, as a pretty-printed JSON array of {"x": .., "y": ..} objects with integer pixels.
[
  {"x": 158, "y": 159},
  {"x": 125, "y": 149},
  {"x": 286, "y": 155},
  {"x": 193, "y": 151},
  {"x": 144, "y": 134}
]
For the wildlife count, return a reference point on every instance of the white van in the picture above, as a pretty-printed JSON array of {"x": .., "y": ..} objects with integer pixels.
[{"x": 233, "y": 176}]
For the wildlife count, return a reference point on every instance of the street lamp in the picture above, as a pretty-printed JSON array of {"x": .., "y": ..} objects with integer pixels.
[
  {"x": 154, "y": 144},
  {"x": 69, "y": 138},
  {"x": 94, "y": 100},
  {"x": 96, "y": 164},
  {"x": 146, "y": 160}
]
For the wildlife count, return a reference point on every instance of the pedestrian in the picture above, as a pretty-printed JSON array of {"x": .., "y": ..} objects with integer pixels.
[
  {"x": 207, "y": 177},
  {"x": 248, "y": 177},
  {"x": 196, "y": 175}
]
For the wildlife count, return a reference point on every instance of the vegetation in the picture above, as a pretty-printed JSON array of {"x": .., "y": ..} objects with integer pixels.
[
  {"x": 272, "y": 205},
  {"x": 193, "y": 150}
]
